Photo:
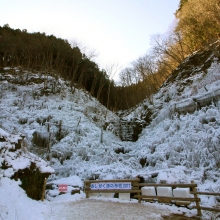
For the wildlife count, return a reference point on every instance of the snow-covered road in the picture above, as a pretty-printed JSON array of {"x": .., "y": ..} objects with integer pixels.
[
  {"x": 93, "y": 209},
  {"x": 14, "y": 204}
]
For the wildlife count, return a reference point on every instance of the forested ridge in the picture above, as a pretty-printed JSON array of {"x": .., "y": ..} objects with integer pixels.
[
  {"x": 198, "y": 26},
  {"x": 52, "y": 56}
]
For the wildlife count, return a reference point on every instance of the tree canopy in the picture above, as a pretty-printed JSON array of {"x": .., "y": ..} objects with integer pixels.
[{"x": 198, "y": 26}]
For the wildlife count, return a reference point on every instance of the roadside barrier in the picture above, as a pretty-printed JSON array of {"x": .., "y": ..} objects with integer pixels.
[{"x": 178, "y": 194}]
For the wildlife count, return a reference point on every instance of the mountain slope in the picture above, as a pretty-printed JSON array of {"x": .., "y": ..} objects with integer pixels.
[
  {"x": 180, "y": 142},
  {"x": 183, "y": 140}
]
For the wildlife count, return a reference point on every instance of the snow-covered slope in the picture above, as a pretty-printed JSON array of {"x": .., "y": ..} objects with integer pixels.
[
  {"x": 67, "y": 123},
  {"x": 176, "y": 146},
  {"x": 182, "y": 142}
]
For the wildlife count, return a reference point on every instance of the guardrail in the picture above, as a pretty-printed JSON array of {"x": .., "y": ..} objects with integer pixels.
[
  {"x": 136, "y": 189},
  {"x": 168, "y": 199},
  {"x": 193, "y": 190},
  {"x": 208, "y": 194}
]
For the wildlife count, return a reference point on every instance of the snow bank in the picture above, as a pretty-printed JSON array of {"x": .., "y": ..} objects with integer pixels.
[{"x": 14, "y": 203}]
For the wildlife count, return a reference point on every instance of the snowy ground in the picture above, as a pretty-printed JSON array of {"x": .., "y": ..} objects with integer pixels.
[
  {"x": 106, "y": 210},
  {"x": 177, "y": 147},
  {"x": 14, "y": 204}
]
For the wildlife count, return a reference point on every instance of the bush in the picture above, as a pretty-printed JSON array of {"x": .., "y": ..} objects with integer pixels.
[
  {"x": 121, "y": 150},
  {"x": 22, "y": 121},
  {"x": 61, "y": 134},
  {"x": 32, "y": 181},
  {"x": 143, "y": 161},
  {"x": 40, "y": 139}
]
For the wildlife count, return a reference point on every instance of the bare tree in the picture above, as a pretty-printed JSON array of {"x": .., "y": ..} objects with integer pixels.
[
  {"x": 111, "y": 70},
  {"x": 89, "y": 52}
]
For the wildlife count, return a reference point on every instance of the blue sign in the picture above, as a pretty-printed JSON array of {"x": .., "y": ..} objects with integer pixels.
[{"x": 110, "y": 186}]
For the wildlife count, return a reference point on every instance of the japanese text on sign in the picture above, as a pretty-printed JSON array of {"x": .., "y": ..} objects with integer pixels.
[{"x": 110, "y": 186}]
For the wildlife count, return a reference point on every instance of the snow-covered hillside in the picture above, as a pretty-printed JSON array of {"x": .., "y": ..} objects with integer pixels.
[
  {"x": 182, "y": 142},
  {"x": 64, "y": 126},
  {"x": 69, "y": 122}
]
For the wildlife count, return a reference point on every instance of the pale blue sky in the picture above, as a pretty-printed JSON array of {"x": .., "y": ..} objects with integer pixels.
[{"x": 119, "y": 30}]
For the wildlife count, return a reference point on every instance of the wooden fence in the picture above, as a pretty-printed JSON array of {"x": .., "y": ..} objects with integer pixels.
[
  {"x": 192, "y": 186},
  {"x": 136, "y": 189}
]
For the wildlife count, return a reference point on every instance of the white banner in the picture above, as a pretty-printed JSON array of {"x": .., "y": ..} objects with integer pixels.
[{"x": 110, "y": 186}]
